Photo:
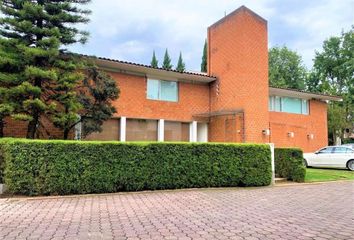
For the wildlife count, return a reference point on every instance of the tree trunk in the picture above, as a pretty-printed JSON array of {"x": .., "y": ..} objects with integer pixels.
[
  {"x": 66, "y": 134},
  {"x": 32, "y": 126}
]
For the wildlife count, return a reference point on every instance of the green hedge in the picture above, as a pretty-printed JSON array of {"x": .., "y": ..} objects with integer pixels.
[
  {"x": 1, "y": 166},
  {"x": 289, "y": 163},
  {"x": 49, "y": 167}
]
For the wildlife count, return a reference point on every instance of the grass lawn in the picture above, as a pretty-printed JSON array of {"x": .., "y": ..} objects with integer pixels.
[{"x": 322, "y": 175}]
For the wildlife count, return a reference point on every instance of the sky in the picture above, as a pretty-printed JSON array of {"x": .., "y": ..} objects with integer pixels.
[{"x": 132, "y": 30}]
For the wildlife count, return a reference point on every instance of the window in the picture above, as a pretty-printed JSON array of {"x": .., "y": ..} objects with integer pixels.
[
  {"x": 342, "y": 150},
  {"x": 176, "y": 131},
  {"x": 141, "y": 130},
  {"x": 326, "y": 150},
  {"x": 288, "y": 105},
  {"x": 110, "y": 131},
  {"x": 162, "y": 90}
]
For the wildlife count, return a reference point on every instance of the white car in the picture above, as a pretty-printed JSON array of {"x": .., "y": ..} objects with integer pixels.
[{"x": 331, "y": 157}]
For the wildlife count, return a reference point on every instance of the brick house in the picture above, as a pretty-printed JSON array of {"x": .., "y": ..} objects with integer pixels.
[{"x": 233, "y": 102}]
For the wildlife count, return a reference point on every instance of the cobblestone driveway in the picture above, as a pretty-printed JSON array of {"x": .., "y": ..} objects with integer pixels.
[{"x": 322, "y": 211}]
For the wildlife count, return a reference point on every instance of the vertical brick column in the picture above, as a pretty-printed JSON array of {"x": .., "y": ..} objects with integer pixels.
[{"x": 238, "y": 57}]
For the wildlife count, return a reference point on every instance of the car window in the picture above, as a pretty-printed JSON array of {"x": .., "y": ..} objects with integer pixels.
[
  {"x": 342, "y": 150},
  {"x": 326, "y": 150}
]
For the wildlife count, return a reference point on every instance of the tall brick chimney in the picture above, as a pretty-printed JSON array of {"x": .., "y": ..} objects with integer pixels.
[{"x": 238, "y": 57}]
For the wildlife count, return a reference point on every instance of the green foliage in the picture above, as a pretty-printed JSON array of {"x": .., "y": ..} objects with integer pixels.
[
  {"x": 289, "y": 163},
  {"x": 14, "y": 90},
  {"x": 286, "y": 68},
  {"x": 181, "y": 66},
  {"x": 96, "y": 94},
  {"x": 41, "y": 167},
  {"x": 154, "y": 62},
  {"x": 204, "y": 65},
  {"x": 333, "y": 73},
  {"x": 2, "y": 163},
  {"x": 33, "y": 34},
  {"x": 167, "y": 61}
]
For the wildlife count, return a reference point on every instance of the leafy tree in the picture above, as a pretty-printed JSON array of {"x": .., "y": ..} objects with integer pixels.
[
  {"x": 204, "y": 65},
  {"x": 181, "y": 66},
  {"x": 333, "y": 73},
  {"x": 39, "y": 29},
  {"x": 167, "y": 61},
  {"x": 96, "y": 94},
  {"x": 286, "y": 68},
  {"x": 154, "y": 62}
]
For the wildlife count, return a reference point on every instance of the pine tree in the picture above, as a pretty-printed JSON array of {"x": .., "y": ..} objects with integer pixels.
[
  {"x": 96, "y": 95},
  {"x": 167, "y": 61},
  {"x": 154, "y": 63},
  {"x": 181, "y": 66},
  {"x": 204, "y": 64},
  {"x": 13, "y": 89},
  {"x": 40, "y": 29}
]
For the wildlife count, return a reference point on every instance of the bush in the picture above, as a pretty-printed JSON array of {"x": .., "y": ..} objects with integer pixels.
[
  {"x": 289, "y": 163},
  {"x": 50, "y": 167}
]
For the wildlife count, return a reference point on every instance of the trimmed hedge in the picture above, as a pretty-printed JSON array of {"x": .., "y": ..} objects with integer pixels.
[
  {"x": 50, "y": 167},
  {"x": 289, "y": 163},
  {"x": 1, "y": 167}
]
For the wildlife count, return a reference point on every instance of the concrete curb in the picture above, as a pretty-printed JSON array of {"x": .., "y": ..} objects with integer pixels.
[{"x": 291, "y": 184}]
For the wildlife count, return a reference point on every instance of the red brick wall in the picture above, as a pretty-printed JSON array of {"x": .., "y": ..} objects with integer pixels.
[
  {"x": 302, "y": 125},
  {"x": 238, "y": 56},
  {"x": 18, "y": 129},
  {"x": 133, "y": 103}
]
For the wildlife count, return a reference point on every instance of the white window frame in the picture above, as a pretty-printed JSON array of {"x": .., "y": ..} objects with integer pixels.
[
  {"x": 272, "y": 104},
  {"x": 159, "y": 98}
]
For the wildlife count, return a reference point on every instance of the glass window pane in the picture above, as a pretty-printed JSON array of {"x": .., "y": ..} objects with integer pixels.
[
  {"x": 291, "y": 105},
  {"x": 305, "y": 109},
  {"x": 169, "y": 91},
  {"x": 277, "y": 104},
  {"x": 110, "y": 131},
  {"x": 141, "y": 130},
  {"x": 326, "y": 150},
  {"x": 176, "y": 131},
  {"x": 153, "y": 89},
  {"x": 340, "y": 150},
  {"x": 271, "y": 103}
]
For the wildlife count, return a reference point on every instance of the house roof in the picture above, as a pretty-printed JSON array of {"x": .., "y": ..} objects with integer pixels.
[
  {"x": 289, "y": 92},
  {"x": 199, "y": 77},
  {"x": 146, "y": 70}
]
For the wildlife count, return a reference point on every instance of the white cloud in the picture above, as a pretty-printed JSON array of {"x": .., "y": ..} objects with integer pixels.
[
  {"x": 130, "y": 30},
  {"x": 317, "y": 23}
]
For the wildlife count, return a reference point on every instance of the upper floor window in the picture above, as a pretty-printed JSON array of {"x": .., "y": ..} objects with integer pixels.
[
  {"x": 162, "y": 90},
  {"x": 289, "y": 105}
]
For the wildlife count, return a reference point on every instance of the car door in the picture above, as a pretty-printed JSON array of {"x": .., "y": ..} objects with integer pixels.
[
  {"x": 340, "y": 156},
  {"x": 323, "y": 157}
]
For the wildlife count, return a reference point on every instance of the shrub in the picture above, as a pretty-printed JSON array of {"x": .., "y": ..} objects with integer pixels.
[
  {"x": 49, "y": 167},
  {"x": 289, "y": 163}
]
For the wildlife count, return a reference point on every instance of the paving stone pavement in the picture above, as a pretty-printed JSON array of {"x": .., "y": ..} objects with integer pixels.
[{"x": 321, "y": 211}]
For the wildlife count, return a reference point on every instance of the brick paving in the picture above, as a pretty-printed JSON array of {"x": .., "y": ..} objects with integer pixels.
[{"x": 321, "y": 211}]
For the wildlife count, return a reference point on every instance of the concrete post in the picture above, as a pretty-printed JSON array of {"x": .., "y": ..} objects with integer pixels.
[
  {"x": 122, "y": 130},
  {"x": 193, "y": 131},
  {"x": 161, "y": 130},
  {"x": 271, "y": 145}
]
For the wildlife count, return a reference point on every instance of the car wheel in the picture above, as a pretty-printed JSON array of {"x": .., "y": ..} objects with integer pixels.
[
  {"x": 350, "y": 165},
  {"x": 305, "y": 163}
]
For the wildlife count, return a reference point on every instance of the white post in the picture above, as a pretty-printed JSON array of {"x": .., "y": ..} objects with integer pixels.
[
  {"x": 271, "y": 145},
  {"x": 193, "y": 131},
  {"x": 123, "y": 127},
  {"x": 161, "y": 130}
]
